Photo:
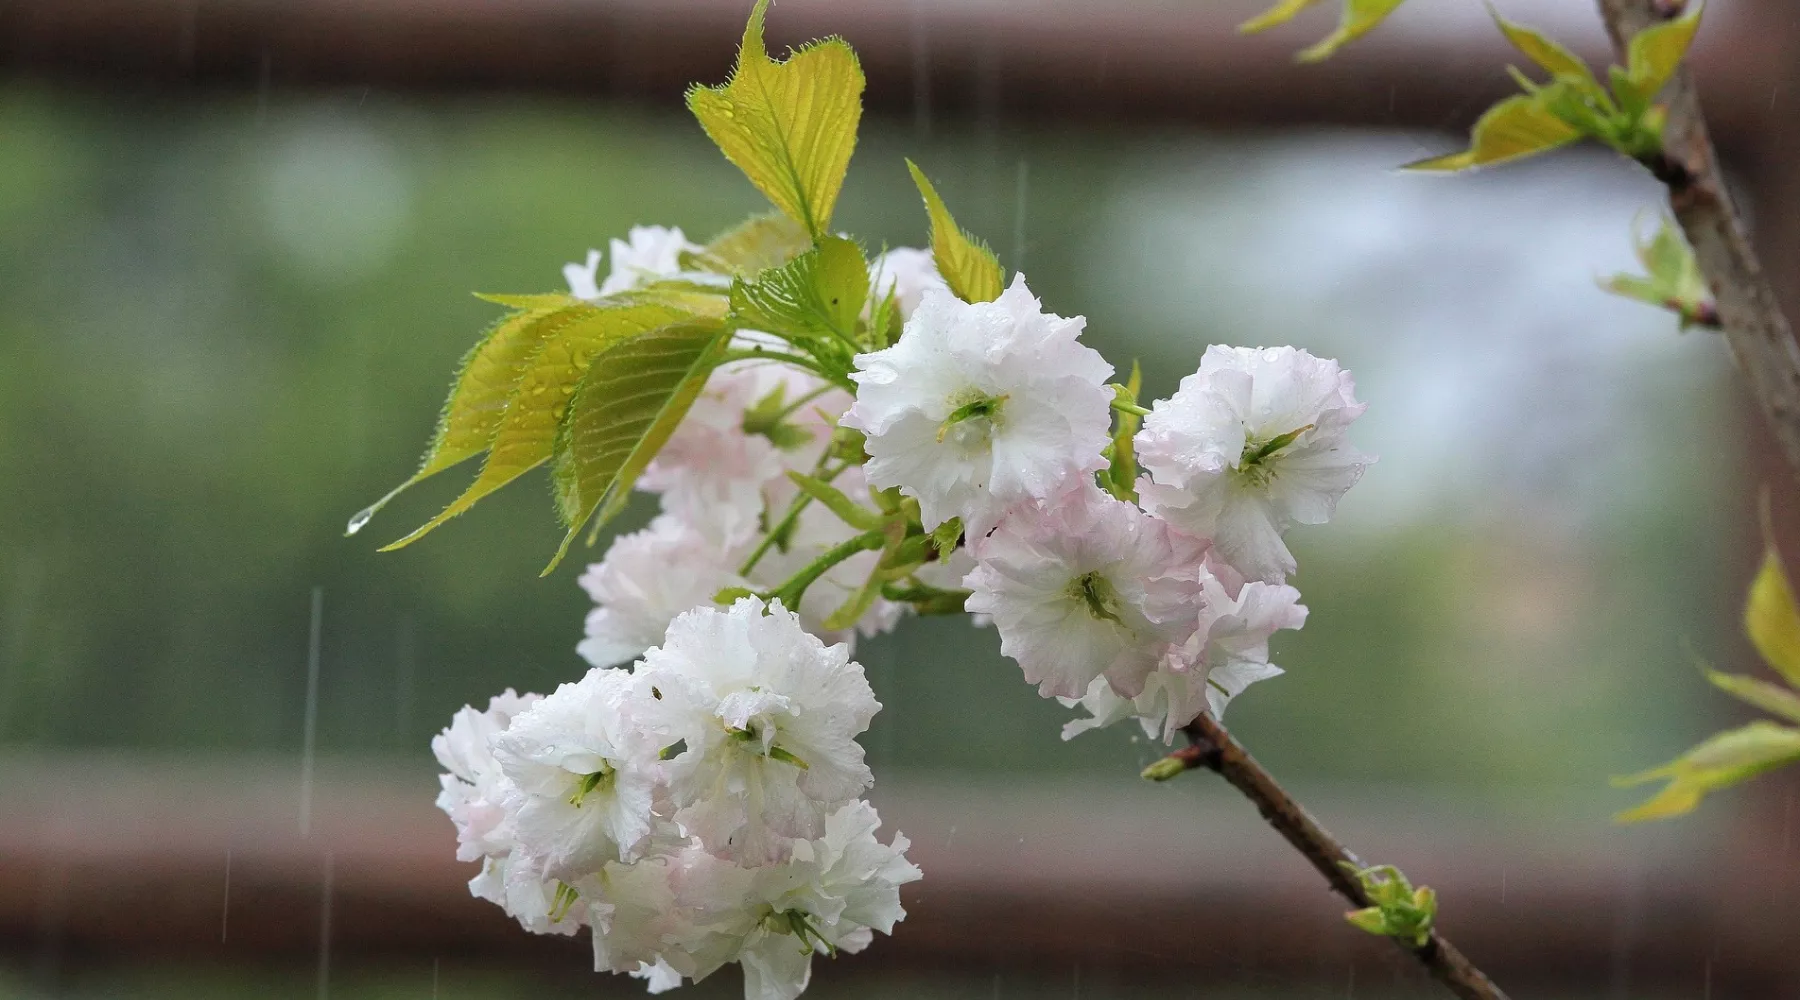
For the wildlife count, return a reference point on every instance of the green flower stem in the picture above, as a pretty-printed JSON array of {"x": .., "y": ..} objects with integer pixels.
[
  {"x": 1211, "y": 747},
  {"x": 794, "y": 589},
  {"x": 788, "y": 519},
  {"x": 1124, "y": 406},
  {"x": 840, "y": 380}
]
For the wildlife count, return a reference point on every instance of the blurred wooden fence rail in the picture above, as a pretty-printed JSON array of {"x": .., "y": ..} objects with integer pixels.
[
  {"x": 114, "y": 855},
  {"x": 1160, "y": 60}
]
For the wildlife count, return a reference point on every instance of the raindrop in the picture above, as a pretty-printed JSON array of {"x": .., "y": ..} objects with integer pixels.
[
  {"x": 360, "y": 519},
  {"x": 325, "y": 931},
  {"x": 225, "y": 908},
  {"x": 310, "y": 737}
]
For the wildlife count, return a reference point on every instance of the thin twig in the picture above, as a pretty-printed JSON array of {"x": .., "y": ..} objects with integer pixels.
[
  {"x": 1211, "y": 747},
  {"x": 1748, "y": 311}
]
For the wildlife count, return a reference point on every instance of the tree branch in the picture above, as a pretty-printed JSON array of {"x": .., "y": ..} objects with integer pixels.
[
  {"x": 1211, "y": 747},
  {"x": 1749, "y": 313}
]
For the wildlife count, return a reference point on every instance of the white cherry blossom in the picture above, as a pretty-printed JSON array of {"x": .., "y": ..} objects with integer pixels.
[
  {"x": 582, "y": 763},
  {"x": 979, "y": 406},
  {"x": 1228, "y": 651},
  {"x": 1083, "y": 585},
  {"x": 1252, "y": 442},
  {"x": 768, "y": 717}
]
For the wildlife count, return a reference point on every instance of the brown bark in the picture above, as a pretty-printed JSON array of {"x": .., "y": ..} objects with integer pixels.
[
  {"x": 1211, "y": 747},
  {"x": 1748, "y": 311}
]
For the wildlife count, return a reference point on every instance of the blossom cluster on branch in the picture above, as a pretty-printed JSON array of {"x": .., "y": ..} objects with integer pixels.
[
  {"x": 837, "y": 441},
  {"x": 702, "y": 804}
]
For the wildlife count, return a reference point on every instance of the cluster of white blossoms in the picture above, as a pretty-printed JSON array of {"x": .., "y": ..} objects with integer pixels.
[
  {"x": 701, "y": 808},
  {"x": 703, "y": 805},
  {"x": 995, "y": 413}
]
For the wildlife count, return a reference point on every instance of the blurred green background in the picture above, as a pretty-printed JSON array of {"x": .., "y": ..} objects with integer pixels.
[{"x": 226, "y": 323}]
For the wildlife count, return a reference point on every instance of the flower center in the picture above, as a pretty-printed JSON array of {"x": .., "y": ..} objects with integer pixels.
[
  {"x": 797, "y": 923},
  {"x": 589, "y": 782},
  {"x": 1096, "y": 592},
  {"x": 977, "y": 409},
  {"x": 1252, "y": 466},
  {"x": 750, "y": 740}
]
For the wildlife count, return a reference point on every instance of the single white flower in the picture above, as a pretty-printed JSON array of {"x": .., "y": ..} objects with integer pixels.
[
  {"x": 908, "y": 273},
  {"x": 768, "y": 717},
  {"x": 1228, "y": 652},
  {"x": 1252, "y": 442},
  {"x": 979, "y": 406},
  {"x": 830, "y": 895},
  {"x": 473, "y": 785},
  {"x": 645, "y": 580},
  {"x": 1085, "y": 585},
  {"x": 583, "y": 769}
]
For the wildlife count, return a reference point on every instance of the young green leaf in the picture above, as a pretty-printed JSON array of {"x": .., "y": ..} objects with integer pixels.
[
  {"x": 477, "y": 400},
  {"x": 1275, "y": 16},
  {"x": 1771, "y": 698},
  {"x": 1672, "y": 278},
  {"x": 626, "y": 406},
  {"x": 849, "y": 511},
  {"x": 753, "y": 246},
  {"x": 1359, "y": 18},
  {"x": 789, "y": 126},
  {"x": 1515, "y": 128},
  {"x": 1541, "y": 49},
  {"x": 967, "y": 265},
  {"x": 1655, "y": 53},
  {"x": 524, "y": 432},
  {"x": 1771, "y": 618},
  {"x": 1726, "y": 759},
  {"x": 813, "y": 299}
]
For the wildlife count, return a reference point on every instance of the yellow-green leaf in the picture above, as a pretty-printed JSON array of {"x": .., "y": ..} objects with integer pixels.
[
  {"x": 1279, "y": 14},
  {"x": 478, "y": 396},
  {"x": 1771, "y": 618},
  {"x": 755, "y": 245},
  {"x": 1515, "y": 128},
  {"x": 630, "y": 400},
  {"x": 1654, "y": 53},
  {"x": 543, "y": 300},
  {"x": 567, "y": 341},
  {"x": 813, "y": 299},
  {"x": 789, "y": 126},
  {"x": 1122, "y": 471},
  {"x": 1769, "y": 697},
  {"x": 967, "y": 265},
  {"x": 1540, "y": 49},
  {"x": 1359, "y": 18},
  {"x": 1726, "y": 759}
]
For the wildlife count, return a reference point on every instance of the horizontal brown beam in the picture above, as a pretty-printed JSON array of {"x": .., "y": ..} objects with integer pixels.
[
  {"x": 122, "y": 855},
  {"x": 1055, "y": 59}
]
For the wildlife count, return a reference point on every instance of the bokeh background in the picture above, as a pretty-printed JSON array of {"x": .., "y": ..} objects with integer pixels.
[{"x": 230, "y": 303}]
